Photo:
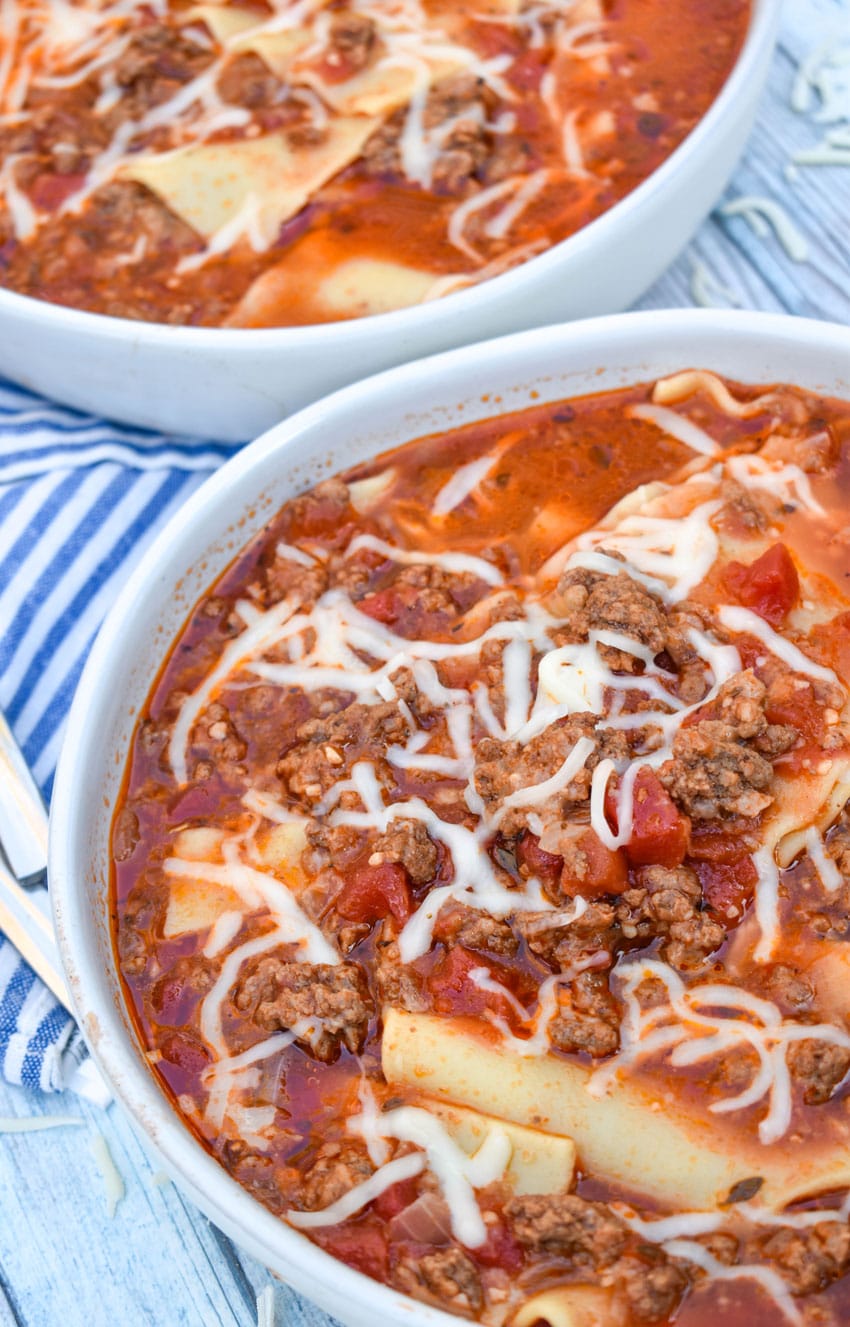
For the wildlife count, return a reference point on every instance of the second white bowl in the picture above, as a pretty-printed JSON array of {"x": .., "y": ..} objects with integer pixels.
[{"x": 231, "y": 384}]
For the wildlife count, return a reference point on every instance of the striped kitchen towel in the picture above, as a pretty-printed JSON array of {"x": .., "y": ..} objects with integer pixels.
[{"x": 80, "y": 500}]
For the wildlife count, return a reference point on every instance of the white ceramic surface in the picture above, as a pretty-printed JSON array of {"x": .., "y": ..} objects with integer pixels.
[
  {"x": 231, "y": 384},
  {"x": 354, "y": 424}
]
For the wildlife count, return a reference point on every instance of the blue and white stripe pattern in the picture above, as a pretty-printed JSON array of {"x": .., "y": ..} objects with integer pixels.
[{"x": 80, "y": 500}]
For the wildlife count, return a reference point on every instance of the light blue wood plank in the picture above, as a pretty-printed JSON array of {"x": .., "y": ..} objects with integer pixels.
[{"x": 63, "y": 1259}]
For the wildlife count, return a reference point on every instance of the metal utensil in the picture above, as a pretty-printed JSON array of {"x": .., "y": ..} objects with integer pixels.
[
  {"x": 23, "y": 815},
  {"x": 24, "y": 904}
]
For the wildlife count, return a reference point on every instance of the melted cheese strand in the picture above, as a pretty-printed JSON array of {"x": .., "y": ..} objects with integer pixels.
[
  {"x": 456, "y": 1173},
  {"x": 625, "y": 803},
  {"x": 680, "y": 385},
  {"x": 220, "y": 1078},
  {"x": 766, "y": 904},
  {"x": 257, "y": 637},
  {"x": 475, "y": 884},
  {"x": 224, "y": 931},
  {"x": 745, "y": 622},
  {"x": 786, "y": 482},
  {"x": 259, "y": 887},
  {"x": 462, "y": 484},
  {"x": 376, "y": 1145},
  {"x": 482, "y": 978},
  {"x": 769, "y": 1280},
  {"x": 480, "y": 202},
  {"x": 211, "y": 1007},
  {"x": 403, "y": 1168},
  {"x": 503, "y": 222},
  {"x": 681, "y": 549},
  {"x": 680, "y": 1226},
  {"x": 457, "y": 563},
  {"x": 539, "y": 792},
  {"x": 683, "y": 430},
  {"x": 683, "y": 1027},
  {"x": 829, "y": 873}
]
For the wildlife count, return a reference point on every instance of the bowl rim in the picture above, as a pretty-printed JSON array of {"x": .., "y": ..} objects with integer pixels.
[
  {"x": 604, "y": 229},
  {"x": 307, "y": 1267}
]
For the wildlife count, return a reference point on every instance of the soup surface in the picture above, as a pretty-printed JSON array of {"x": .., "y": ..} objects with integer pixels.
[
  {"x": 273, "y": 162},
  {"x": 482, "y": 872}
]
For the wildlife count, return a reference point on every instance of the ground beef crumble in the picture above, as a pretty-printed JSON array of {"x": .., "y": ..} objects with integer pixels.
[
  {"x": 818, "y": 1066},
  {"x": 809, "y": 1259},
  {"x": 396, "y": 985},
  {"x": 652, "y": 1291},
  {"x": 337, "y": 1168},
  {"x": 595, "y": 602},
  {"x": 408, "y": 843},
  {"x": 457, "y": 924},
  {"x": 663, "y": 903},
  {"x": 718, "y": 769},
  {"x": 448, "y": 1275},
  {"x": 352, "y": 41},
  {"x": 666, "y": 902},
  {"x": 587, "y": 1233},
  {"x": 462, "y": 103},
  {"x": 503, "y": 767},
  {"x": 276, "y": 994},
  {"x": 327, "y": 747},
  {"x": 588, "y": 1018}
]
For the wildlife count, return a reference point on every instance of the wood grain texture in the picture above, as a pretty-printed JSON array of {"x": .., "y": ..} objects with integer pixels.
[{"x": 159, "y": 1263}]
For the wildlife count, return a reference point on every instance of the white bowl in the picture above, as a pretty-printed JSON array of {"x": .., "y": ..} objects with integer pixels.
[
  {"x": 354, "y": 424},
  {"x": 231, "y": 384}
]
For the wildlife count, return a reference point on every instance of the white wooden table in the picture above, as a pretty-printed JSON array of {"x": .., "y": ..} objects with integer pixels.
[{"x": 63, "y": 1262}]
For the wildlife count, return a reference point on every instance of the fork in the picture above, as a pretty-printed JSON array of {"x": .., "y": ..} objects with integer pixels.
[{"x": 24, "y": 903}]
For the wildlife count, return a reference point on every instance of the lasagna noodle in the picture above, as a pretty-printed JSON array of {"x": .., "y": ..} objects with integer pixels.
[
  {"x": 210, "y": 184},
  {"x": 380, "y": 89},
  {"x": 193, "y": 905},
  {"x": 540, "y": 1162},
  {"x": 278, "y": 50},
  {"x": 355, "y": 287},
  {"x": 637, "y": 1135},
  {"x": 571, "y": 1306},
  {"x": 817, "y": 800},
  {"x": 385, "y": 85},
  {"x": 223, "y": 22}
]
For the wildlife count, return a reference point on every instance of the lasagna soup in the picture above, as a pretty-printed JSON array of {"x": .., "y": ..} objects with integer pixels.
[
  {"x": 273, "y": 162},
  {"x": 482, "y": 869}
]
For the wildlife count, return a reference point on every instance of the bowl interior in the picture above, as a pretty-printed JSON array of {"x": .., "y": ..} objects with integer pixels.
[{"x": 354, "y": 424}]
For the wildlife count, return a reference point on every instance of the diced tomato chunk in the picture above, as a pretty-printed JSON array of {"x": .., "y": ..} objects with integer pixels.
[
  {"x": 833, "y": 640},
  {"x": 363, "y": 1247},
  {"x": 769, "y": 586},
  {"x": 197, "y": 803},
  {"x": 798, "y": 709},
  {"x": 321, "y": 513},
  {"x": 727, "y": 886},
  {"x": 714, "y": 843},
  {"x": 371, "y": 892},
  {"x": 453, "y": 991},
  {"x": 384, "y": 605},
  {"x": 187, "y": 1054},
  {"x": 546, "y": 866},
  {"x": 606, "y": 873},
  {"x": 499, "y": 1250},
  {"x": 394, "y": 1199},
  {"x": 660, "y": 833},
  {"x": 49, "y": 191}
]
